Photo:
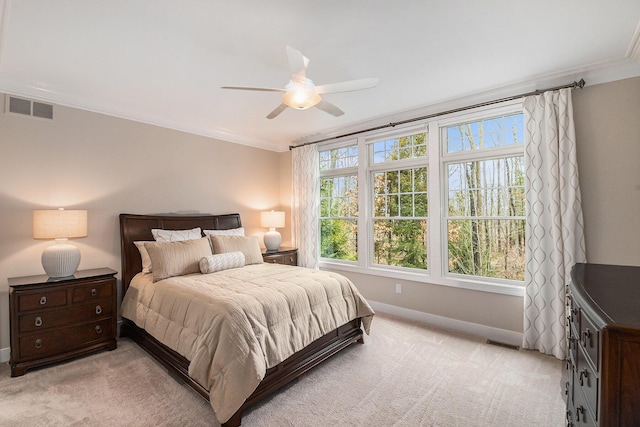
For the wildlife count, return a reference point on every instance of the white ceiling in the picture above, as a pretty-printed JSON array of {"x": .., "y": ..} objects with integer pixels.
[{"x": 164, "y": 61}]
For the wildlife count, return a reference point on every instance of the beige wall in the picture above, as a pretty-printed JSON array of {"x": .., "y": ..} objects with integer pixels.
[
  {"x": 607, "y": 119},
  {"x": 108, "y": 166},
  {"x": 608, "y": 133}
]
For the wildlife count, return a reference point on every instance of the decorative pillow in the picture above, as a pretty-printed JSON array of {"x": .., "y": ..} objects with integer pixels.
[
  {"x": 177, "y": 258},
  {"x": 231, "y": 232},
  {"x": 144, "y": 255},
  {"x": 249, "y": 246},
  {"x": 160, "y": 235},
  {"x": 219, "y": 262}
]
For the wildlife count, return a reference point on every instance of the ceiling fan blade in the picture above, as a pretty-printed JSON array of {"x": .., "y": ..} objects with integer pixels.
[
  {"x": 279, "y": 109},
  {"x": 328, "y": 107},
  {"x": 261, "y": 89},
  {"x": 297, "y": 65},
  {"x": 347, "y": 86}
]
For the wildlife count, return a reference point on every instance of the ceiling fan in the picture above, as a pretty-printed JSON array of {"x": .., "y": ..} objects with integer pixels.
[{"x": 301, "y": 93}]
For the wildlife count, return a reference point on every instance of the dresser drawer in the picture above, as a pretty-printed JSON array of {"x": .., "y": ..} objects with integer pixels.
[
  {"x": 62, "y": 317},
  {"x": 589, "y": 339},
  {"x": 91, "y": 291},
  {"x": 64, "y": 339},
  {"x": 587, "y": 381},
  {"x": 43, "y": 299}
]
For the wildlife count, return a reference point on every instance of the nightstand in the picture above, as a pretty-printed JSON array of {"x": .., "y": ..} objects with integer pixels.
[
  {"x": 57, "y": 319},
  {"x": 283, "y": 255}
]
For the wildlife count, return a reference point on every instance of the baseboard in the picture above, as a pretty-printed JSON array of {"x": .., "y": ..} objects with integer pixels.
[
  {"x": 495, "y": 334},
  {"x": 5, "y": 354}
]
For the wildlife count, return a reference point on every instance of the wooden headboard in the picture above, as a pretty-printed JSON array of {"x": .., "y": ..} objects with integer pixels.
[{"x": 134, "y": 228}]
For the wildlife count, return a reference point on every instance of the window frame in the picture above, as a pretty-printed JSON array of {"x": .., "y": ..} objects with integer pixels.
[{"x": 435, "y": 161}]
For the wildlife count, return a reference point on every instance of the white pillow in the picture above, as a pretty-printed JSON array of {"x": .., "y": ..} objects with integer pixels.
[
  {"x": 231, "y": 232},
  {"x": 160, "y": 235},
  {"x": 144, "y": 255},
  {"x": 177, "y": 258},
  {"x": 219, "y": 262},
  {"x": 249, "y": 246}
]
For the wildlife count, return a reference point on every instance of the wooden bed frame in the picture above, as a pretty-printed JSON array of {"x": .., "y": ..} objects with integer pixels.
[{"x": 138, "y": 228}]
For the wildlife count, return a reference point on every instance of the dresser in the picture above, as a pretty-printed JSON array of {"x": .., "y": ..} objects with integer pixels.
[
  {"x": 603, "y": 366},
  {"x": 283, "y": 255},
  {"x": 57, "y": 319}
]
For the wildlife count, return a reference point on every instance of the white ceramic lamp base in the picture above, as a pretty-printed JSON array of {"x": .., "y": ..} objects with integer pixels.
[
  {"x": 61, "y": 259},
  {"x": 272, "y": 240}
]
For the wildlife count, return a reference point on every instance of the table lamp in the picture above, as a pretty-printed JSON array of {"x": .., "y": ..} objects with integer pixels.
[
  {"x": 272, "y": 220},
  {"x": 61, "y": 259}
]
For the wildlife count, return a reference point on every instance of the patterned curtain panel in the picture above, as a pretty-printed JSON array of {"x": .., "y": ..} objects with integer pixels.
[
  {"x": 555, "y": 239},
  {"x": 306, "y": 200}
]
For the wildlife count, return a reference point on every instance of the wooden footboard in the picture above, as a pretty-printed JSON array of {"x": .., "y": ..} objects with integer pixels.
[{"x": 275, "y": 378}]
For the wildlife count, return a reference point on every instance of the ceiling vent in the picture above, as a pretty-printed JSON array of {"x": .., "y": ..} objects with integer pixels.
[{"x": 27, "y": 107}]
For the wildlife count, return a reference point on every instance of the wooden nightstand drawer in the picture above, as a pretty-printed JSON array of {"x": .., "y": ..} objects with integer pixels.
[
  {"x": 99, "y": 289},
  {"x": 44, "y": 299},
  {"x": 63, "y": 317},
  {"x": 55, "y": 320},
  {"x": 288, "y": 256},
  {"x": 64, "y": 339}
]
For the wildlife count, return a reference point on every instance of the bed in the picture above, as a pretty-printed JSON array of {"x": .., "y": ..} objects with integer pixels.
[{"x": 276, "y": 372}]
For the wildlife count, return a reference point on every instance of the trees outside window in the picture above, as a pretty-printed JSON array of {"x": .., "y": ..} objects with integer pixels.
[{"x": 447, "y": 203}]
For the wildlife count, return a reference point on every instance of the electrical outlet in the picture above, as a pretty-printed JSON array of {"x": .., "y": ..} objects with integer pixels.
[{"x": 398, "y": 288}]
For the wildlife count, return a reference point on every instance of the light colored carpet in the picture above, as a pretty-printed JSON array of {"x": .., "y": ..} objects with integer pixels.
[{"x": 406, "y": 374}]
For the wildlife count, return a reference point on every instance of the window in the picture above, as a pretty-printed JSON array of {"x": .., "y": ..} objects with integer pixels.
[
  {"x": 442, "y": 202},
  {"x": 339, "y": 203},
  {"x": 400, "y": 201},
  {"x": 485, "y": 218}
]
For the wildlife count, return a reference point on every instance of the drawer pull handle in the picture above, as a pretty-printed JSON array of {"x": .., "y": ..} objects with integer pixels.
[
  {"x": 98, "y": 309},
  {"x": 98, "y": 329},
  {"x": 38, "y": 321},
  {"x": 586, "y": 337},
  {"x": 583, "y": 374},
  {"x": 275, "y": 261},
  {"x": 38, "y": 343},
  {"x": 94, "y": 292},
  {"x": 580, "y": 410},
  {"x": 43, "y": 300}
]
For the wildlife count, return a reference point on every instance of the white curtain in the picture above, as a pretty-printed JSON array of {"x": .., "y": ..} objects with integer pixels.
[
  {"x": 555, "y": 239},
  {"x": 306, "y": 200}
]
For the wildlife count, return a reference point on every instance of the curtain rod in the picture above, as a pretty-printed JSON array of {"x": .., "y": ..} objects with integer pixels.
[{"x": 580, "y": 84}]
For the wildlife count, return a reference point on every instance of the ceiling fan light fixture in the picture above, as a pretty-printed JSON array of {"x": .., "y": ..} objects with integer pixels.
[{"x": 301, "y": 98}]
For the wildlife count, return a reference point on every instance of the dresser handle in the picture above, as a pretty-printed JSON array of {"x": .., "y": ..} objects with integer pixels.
[
  {"x": 586, "y": 335},
  {"x": 98, "y": 309},
  {"x": 98, "y": 329},
  {"x": 94, "y": 292},
  {"x": 43, "y": 300},
  {"x": 38, "y": 343},
  {"x": 580, "y": 410},
  {"x": 38, "y": 321},
  {"x": 566, "y": 388},
  {"x": 583, "y": 374},
  {"x": 275, "y": 261}
]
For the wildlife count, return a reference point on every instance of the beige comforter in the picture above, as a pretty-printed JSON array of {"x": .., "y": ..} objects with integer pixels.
[{"x": 233, "y": 325}]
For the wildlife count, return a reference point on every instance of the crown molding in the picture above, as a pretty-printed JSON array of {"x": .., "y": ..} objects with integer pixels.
[
  {"x": 12, "y": 85},
  {"x": 603, "y": 72},
  {"x": 4, "y": 24},
  {"x": 633, "y": 51}
]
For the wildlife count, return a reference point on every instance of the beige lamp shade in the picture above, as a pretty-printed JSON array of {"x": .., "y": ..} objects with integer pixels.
[
  {"x": 272, "y": 220},
  {"x": 61, "y": 259},
  {"x": 59, "y": 223}
]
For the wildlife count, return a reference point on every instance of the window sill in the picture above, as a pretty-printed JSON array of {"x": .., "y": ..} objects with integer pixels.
[{"x": 425, "y": 277}]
